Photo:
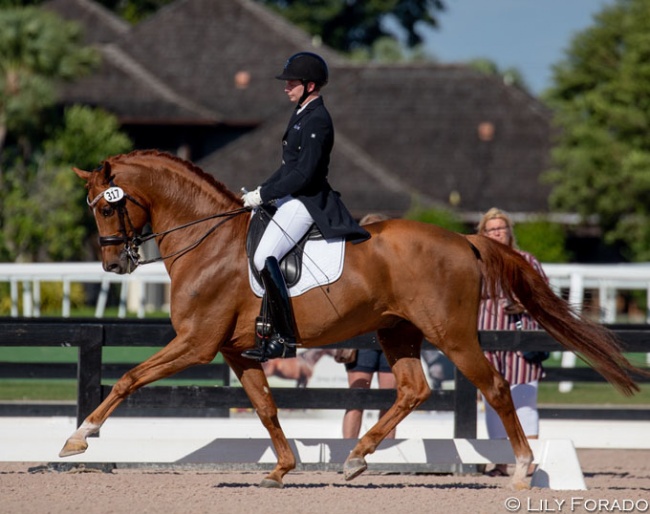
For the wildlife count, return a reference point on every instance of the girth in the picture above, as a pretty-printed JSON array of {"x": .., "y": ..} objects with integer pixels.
[{"x": 290, "y": 264}]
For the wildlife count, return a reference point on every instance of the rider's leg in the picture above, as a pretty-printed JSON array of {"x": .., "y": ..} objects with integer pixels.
[{"x": 289, "y": 224}]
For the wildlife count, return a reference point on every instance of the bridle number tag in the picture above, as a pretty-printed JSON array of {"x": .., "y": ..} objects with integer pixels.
[{"x": 114, "y": 194}]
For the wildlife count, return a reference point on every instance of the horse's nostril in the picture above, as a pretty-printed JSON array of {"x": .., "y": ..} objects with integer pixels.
[{"x": 113, "y": 267}]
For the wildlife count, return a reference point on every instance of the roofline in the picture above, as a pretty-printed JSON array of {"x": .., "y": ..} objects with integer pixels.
[{"x": 133, "y": 68}]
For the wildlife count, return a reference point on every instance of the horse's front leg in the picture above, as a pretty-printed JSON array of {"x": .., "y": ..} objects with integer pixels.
[
  {"x": 402, "y": 348},
  {"x": 179, "y": 354},
  {"x": 252, "y": 377}
]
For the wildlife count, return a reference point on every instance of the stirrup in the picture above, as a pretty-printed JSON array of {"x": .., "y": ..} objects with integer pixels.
[{"x": 272, "y": 348}]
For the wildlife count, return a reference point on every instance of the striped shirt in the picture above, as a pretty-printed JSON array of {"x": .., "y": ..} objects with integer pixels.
[{"x": 512, "y": 365}]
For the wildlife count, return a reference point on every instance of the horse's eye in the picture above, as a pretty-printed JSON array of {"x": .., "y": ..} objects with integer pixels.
[{"x": 107, "y": 211}]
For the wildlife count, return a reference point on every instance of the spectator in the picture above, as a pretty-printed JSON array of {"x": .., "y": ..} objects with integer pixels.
[
  {"x": 522, "y": 370},
  {"x": 360, "y": 367}
]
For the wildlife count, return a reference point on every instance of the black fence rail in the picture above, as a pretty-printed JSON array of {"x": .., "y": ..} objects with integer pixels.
[{"x": 91, "y": 336}]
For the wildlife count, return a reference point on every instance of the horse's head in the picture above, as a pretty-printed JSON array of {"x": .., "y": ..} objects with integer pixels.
[{"x": 120, "y": 217}]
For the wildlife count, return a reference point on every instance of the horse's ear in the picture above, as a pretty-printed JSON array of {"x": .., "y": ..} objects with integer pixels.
[
  {"x": 107, "y": 171},
  {"x": 82, "y": 174}
]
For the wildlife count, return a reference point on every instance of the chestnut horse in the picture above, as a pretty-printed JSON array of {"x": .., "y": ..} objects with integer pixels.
[{"x": 408, "y": 282}]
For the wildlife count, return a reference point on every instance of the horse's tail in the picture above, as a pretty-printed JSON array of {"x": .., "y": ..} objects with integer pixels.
[{"x": 594, "y": 343}]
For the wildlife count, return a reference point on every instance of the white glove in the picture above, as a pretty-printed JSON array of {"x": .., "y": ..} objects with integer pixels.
[{"x": 252, "y": 199}]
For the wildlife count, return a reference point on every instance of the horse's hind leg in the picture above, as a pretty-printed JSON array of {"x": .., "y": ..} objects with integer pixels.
[
  {"x": 469, "y": 359},
  {"x": 401, "y": 345},
  {"x": 252, "y": 377}
]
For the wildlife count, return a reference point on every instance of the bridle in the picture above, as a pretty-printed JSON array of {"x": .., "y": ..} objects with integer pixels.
[{"x": 117, "y": 197}]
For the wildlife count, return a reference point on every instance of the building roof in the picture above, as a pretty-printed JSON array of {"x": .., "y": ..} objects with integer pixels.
[
  {"x": 102, "y": 26},
  {"x": 365, "y": 185},
  {"x": 426, "y": 133},
  {"x": 447, "y": 130}
]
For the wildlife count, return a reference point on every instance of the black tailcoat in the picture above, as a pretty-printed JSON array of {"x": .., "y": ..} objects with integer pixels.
[{"x": 306, "y": 147}]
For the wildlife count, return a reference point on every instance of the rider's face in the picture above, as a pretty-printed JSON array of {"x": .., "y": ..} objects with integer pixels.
[{"x": 294, "y": 89}]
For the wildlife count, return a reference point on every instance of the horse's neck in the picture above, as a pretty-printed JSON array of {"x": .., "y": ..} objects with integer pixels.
[{"x": 181, "y": 199}]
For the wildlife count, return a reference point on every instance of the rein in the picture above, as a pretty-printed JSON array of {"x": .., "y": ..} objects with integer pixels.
[
  {"x": 138, "y": 240},
  {"x": 117, "y": 196}
]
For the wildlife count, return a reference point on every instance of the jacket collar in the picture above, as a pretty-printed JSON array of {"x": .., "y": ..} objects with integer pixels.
[{"x": 309, "y": 107}]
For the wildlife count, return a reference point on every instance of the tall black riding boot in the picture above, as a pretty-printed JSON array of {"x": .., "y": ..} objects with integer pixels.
[{"x": 282, "y": 341}]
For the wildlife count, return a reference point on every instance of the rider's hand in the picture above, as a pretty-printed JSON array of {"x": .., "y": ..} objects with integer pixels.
[{"x": 252, "y": 199}]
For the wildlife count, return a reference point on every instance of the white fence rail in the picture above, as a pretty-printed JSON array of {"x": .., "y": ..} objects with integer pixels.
[{"x": 135, "y": 295}]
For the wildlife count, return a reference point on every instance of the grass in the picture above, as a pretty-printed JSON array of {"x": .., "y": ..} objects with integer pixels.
[
  {"x": 590, "y": 394},
  {"x": 38, "y": 390},
  {"x": 66, "y": 390},
  {"x": 582, "y": 393}
]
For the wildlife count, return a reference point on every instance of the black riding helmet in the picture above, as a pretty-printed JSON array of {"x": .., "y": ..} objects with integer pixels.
[{"x": 305, "y": 67}]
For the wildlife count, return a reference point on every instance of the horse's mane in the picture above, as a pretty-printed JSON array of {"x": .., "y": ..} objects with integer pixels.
[{"x": 184, "y": 164}]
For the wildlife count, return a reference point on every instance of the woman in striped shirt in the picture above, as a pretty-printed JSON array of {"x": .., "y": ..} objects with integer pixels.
[{"x": 522, "y": 370}]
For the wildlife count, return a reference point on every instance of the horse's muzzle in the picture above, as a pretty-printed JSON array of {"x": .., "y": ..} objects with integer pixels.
[{"x": 126, "y": 262}]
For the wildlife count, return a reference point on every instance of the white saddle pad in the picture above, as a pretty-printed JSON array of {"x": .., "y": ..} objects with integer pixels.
[{"x": 322, "y": 263}]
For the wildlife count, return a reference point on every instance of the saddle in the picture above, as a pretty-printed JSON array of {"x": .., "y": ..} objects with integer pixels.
[{"x": 291, "y": 263}]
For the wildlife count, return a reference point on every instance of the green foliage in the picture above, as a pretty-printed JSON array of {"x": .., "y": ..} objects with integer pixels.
[
  {"x": 36, "y": 48},
  {"x": 545, "y": 240},
  {"x": 87, "y": 136},
  {"x": 51, "y": 298},
  {"x": 389, "y": 50},
  {"x": 134, "y": 11},
  {"x": 441, "y": 217},
  {"x": 347, "y": 26},
  {"x": 44, "y": 214},
  {"x": 601, "y": 97},
  {"x": 510, "y": 76}
]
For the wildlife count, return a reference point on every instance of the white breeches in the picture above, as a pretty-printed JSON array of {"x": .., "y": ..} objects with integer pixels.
[
  {"x": 288, "y": 225},
  {"x": 524, "y": 396}
]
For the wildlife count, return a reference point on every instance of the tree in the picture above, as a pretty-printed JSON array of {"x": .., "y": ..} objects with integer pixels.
[
  {"x": 601, "y": 97},
  {"x": 544, "y": 239},
  {"x": 36, "y": 49},
  {"x": 43, "y": 213},
  {"x": 442, "y": 217},
  {"x": 510, "y": 76},
  {"x": 41, "y": 207},
  {"x": 134, "y": 11},
  {"x": 388, "y": 50},
  {"x": 347, "y": 25}
]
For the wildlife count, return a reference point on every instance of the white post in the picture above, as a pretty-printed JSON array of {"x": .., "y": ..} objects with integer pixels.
[
  {"x": 143, "y": 297},
  {"x": 102, "y": 298},
  {"x": 13, "y": 286},
  {"x": 124, "y": 289},
  {"x": 37, "y": 298},
  {"x": 27, "y": 298},
  {"x": 576, "y": 294},
  {"x": 66, "y": 298}
]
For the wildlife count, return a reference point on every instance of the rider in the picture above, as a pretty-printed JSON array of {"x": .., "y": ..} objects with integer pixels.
[{"x": 302, "y": 196}]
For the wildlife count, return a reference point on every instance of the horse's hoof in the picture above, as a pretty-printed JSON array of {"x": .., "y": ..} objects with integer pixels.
[
  {"x": 269, "y": 483},
  {"x": 520, "y": 485},
  {"x": 73, "y": 447},
  {"x": 354, "y": 467}
]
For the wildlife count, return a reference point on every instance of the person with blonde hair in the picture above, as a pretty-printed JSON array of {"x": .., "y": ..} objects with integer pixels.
[{"x": 522, "y": 370}]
